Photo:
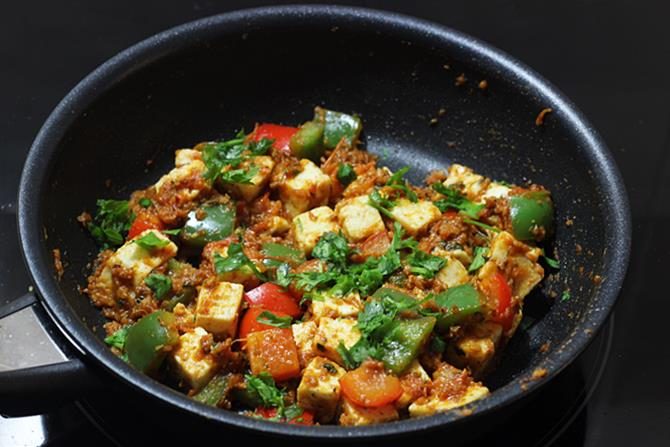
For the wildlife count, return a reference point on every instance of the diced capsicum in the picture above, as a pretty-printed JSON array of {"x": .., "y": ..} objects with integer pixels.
[
  {"x": 281, "y": 135},
  {"x": 283, "y": 253},
  {"x": 532, "y": 215},
  {"x": 273, "y": 351},
  {"x": 215, "y": 390},
  {"x": 143, "y": 222},
  {"x": 186, "y": 296},
  {"x": 307, "y": 142},
  {"x": 208, "y": 224},
  {"x": 457, "y": 303},
  {"x": 338, "y": 125},
  {"x": 496, "y": 288},
  {"x": 149, "y": 340},
  {"x": 274, "y": 298},
  {"x": 403, "y": 343},
  {"x": 370, "y": 386}
]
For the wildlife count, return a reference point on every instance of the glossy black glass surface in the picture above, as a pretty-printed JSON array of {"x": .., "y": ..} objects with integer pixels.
[{"x": 609, "y": 57}]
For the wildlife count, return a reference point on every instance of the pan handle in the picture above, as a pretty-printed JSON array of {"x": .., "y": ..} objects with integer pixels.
[{"x": 38, "y": 373}]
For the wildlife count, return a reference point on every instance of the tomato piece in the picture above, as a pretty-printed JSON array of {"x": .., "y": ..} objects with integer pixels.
[
  {"x": 274, "y": 298},
  {"x": 495, "y": 286},
  {"x": 280, "y": 134},
  {"x": 307, "y": 417},
  {"x": 144, "y": 222},
  {"x": 273, "y": 351},
  {"x": 250, "y": 323},
  {"x": 370, "y": 386}
]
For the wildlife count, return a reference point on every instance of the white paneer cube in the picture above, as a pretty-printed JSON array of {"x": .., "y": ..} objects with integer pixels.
[
  {"x": 310, "y": 226},
  {"x": 352, "y": 414},
  {"x": 495, "y": 191},
  {"x": 415, "y": 217},
  {"x": 309, "y": 189},
  {"x": 415, "y": 382},
  {"x": 476, "y": 348},
  {"x": 184, "y": 157},
  {"x": 141, "y": 261},
  {"x": 452, "y": 274},
  {"x": 182, "y": 179},
  {"x": 243, "y": 275},
  {"x": 319, "y": 389},
  {"x": 337, "y": 307},
  {"x": 218, "y": 307},
  {"x": 444, "y": 396},
  {"x": 192, "y": 364},
  {"x": 332, "y": 332},
  {"x": 466, "y": 181},
  {"x": 358, "y": 219},
  {"x": 304, "y": 335},
  {"x": 249, "y": 191},
  {"x": 278, "y": 225}
]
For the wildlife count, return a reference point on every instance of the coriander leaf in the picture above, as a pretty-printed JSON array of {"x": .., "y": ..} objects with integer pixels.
[
  {"x": 271, "y": 319},
  {"x": 437, "y": 345},
  {"x": 263, "y": 388},
  {"x": 145, "y": 202},
  {"x": 345, "y": 174},
  {"x": 332, "y": 248},
  {"x": 220, "y": 154},
  {"x": 479, "y": 259},
  {"x": 240, "y": 176},
  {"x": 553, "y": 263},
  {"x": 346, "y": 356},
  {"x": 481, "y": 225},
  {"x": 159, "y": 284},
  {"x": 424, "y": 264},
  {"x": 118, "y": 338},
  {"x": 398, "y": 182},
  {"x": 235, "y": 260},
  {"x": 260, "y": 147},
  {"x": 293, "y": 412},
  {"x": 358, "y": 353},
  {"x": 150, "y": 241},
  {"x": 174, "y": 232},
  {"x": 283, "y": 275},
  {"x": 381, "y": 203},
  {"x": 565, "y": 296},
  {"x": 111, "y": 223},
  {"x": 454, "y": 199}
]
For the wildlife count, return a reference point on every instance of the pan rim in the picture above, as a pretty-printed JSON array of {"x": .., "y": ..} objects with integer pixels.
[{"x": 618, "y": 236}]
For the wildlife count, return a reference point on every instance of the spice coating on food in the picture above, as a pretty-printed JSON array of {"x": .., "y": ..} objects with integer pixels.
[{"x": 286, "y": 275}]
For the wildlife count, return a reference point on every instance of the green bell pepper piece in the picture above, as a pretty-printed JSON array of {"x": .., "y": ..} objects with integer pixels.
[
  {"x": 397, "y": 296},
  {"x": 403, "y": 343},
  {"x": 146, "y": 340},
  {"x": 218, "y": 223},
  {"x": 529, "y": 212},
  {"x": 186, "y": 296},
  {"x": 338, "y": 125},
  {"x": 307, "y": 142},
  {"x": 215, "y": 390},
  {"x": 457, "y": 303},
  {"x": 283, "y": 253}
]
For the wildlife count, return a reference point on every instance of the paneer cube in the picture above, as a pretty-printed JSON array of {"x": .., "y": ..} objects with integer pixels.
[
  {"x": 309, "y": 189},
  {"x": 185, "y": 179},
  {"x": 495, "y": 191},
  {"x": 451, "y": 388},
  {"x": 184, "y": 157},
  {"x": 218, "y": 307},
  {"x": 415, "y": 383},
  {"x": 476, "y": 349},
  {"x": 194, "y": 366},
  {"x": 310, "y": 226},
  {"x": 249, "y": 191},
  {"x": 358, "y": 219},
  {"x": 415, "y": 217},
  {"x": 243, "y": 275},
  {"x": 332, "y": 332},
  {"x": 353, "y": 414},
  {"x": 278, "y": 225},
  {"x": 336, "y": 307},
  {"x": 273, "y": 351},
  {"x": 140, "y": 261},
  {"x": 304, "y": 335},
  {"x": 319, "y": 389},
  {"x": 466, "y": 181},
  {"x": 452, "y": 274}
]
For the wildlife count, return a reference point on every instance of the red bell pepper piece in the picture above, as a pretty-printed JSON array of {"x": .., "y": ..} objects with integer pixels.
[
  {"x": 280, "y": 134},
  {"x": 144, "y": 222},
  {"x": 272, "y": 297},
  {"x": 306, "y": 418},
  {"x": 495, "y": 286},
  {"x": 250, "y": 323}
]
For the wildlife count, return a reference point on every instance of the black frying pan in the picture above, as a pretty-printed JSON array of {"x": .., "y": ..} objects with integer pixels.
[{"x": 205, "y": 79}]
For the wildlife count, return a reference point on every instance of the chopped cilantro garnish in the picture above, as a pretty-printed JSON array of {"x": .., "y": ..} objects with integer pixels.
[
  {"x": 455, "y": 200},
  {"x": 111, "y": 223},
  {"x": 262, "y": 387},
  {"x": 345, "y": 174},
  {"x": 479, "y": 259},
  {"x": 219, "y": 155},
  {"x": 271, "y": 319},
  {"x": 332, "y": 248},
  {"x": 159, "y": 284},
  {"x": 118, "y": 338},
  {"x": 235, "y": 260},
  {"x": 565, "y": 296},
  {"x": 553, "y": 263},
  {"x": 398, "y": 182},
  {"x": 481, "y": 225},
  {"x": 424, "y": 264},
  {"x": 145, "y": 202},
  {"x": 381, "y": 203},
  {"x": 239, "y": 176},
  {"x": 150, "y": 241}
]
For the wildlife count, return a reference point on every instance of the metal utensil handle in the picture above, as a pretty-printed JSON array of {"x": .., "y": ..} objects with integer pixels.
[{"x": 36, "y": 375}]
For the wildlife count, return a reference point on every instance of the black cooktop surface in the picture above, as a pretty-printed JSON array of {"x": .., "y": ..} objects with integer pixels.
[{"x": 612, "y": 57}]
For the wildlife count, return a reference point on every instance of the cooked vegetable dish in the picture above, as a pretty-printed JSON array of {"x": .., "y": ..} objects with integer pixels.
[{"x": 285, "y": 274}]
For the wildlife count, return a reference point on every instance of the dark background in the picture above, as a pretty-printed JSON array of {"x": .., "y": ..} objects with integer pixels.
[{"x": 611, "y": 57}]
